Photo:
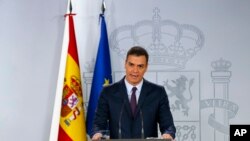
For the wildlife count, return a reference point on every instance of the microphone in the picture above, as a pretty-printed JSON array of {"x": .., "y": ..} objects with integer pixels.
[
  {"x": 142, "y": 125},
  {"x": 120, "y": 118}
]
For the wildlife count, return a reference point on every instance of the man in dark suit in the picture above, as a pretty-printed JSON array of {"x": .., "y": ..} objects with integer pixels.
[{"x": 133, "y": 107}]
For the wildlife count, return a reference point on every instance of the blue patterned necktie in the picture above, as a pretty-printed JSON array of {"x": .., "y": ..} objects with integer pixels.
[{"x": 133, "y": 101}]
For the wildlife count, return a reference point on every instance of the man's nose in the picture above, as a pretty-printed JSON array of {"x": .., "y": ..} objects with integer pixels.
[{"x": 135, "y": 69}]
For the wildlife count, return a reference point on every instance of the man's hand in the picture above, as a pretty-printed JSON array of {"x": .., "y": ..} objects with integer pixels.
[
  {"x": 97, "y": 137},
  {"x": 167, "y": 136}
]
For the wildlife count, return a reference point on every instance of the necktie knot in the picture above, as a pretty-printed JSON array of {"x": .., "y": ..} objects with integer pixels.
[
  {"x": 134, "y": 89},
  {"x": 133, "y": 101}
]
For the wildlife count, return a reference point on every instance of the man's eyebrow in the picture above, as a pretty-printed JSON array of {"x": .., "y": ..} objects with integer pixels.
[
  {"x": 141, "y": 65},
  {"x": 130, "y": 63},
  {"x": 135, "y": 64}
]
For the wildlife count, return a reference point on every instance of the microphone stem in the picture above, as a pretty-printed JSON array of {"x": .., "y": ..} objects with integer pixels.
[
  {"x": 119, "y": 124},
  {"x": 142, "y": 125}
]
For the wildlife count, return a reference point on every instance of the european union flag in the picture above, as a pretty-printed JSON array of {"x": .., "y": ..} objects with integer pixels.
[{"x": 102, "y": 74}]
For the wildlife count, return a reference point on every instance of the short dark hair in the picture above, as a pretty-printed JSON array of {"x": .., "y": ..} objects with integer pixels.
[{"x": 138, "y": 51}]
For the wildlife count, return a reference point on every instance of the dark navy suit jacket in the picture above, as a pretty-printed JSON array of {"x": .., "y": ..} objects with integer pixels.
[{"x": 113, "y": 111}]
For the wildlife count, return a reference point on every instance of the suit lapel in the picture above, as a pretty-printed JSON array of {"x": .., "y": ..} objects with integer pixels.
[{"x": 144, "y": 92}]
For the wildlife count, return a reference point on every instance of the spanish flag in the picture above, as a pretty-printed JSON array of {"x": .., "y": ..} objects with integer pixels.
[{"x": 72, "y": 115}]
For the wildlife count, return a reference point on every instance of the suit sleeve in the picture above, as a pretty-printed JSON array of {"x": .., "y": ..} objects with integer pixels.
[
  {"x": 101, "y": 114},
  {"x": 165, "y": 116}
]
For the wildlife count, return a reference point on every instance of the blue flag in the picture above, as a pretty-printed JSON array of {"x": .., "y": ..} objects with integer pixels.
[{"x": 102, "y": 74}]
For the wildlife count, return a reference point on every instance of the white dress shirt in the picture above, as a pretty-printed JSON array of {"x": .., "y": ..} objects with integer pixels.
[{"x": 129, "y": 90}]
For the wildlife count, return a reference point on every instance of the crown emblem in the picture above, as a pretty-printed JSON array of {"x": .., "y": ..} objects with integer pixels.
[
  {"x": 221, "y": 65},
  {"x": 168, "y": 43}
]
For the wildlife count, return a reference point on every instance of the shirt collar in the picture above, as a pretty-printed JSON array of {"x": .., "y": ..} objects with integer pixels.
[{"x": 129, "y": 86}]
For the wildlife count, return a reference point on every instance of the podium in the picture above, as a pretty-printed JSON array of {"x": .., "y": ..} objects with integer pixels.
[{"x": 137, "y": 139}]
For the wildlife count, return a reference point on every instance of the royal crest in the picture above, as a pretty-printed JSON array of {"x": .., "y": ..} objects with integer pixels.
[
  {"x": 169, "y": 43},
  {"x": 71, "y": 103}
]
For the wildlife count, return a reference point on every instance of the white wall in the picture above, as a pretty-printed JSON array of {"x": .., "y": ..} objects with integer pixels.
[
  {"x": 31, "y": 34},
  {"x": 30, "y": 43}
]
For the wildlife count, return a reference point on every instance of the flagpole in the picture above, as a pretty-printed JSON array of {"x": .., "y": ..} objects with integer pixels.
[
  {"x": 60, "y": 82},
  {"x": 103, "y": 7}
]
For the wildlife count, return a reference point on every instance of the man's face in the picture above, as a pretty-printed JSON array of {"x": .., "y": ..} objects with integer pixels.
[{"x": 135, "y": 67}]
